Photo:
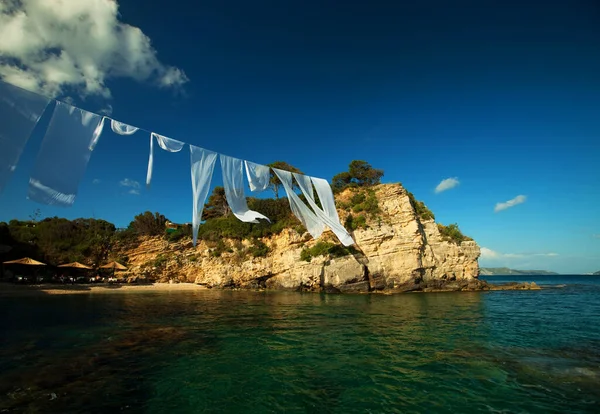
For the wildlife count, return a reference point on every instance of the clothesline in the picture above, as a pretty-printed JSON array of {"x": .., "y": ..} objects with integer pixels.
[{"x": 73, "y": 133}]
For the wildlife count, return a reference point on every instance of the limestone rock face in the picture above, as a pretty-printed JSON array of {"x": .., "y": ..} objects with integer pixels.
[{"x": 396, "y": 249}]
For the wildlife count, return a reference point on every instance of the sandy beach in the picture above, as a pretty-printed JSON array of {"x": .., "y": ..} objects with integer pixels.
[{"x": 9, "y": 289}]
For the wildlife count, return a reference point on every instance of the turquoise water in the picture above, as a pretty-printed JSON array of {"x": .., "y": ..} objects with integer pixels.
[{"x": 226, "y": 351}]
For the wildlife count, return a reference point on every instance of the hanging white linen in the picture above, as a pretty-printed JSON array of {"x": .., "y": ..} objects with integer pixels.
[
  {"x": 258, "y": 176},
  {"x": 168, "y": 144},
  {"x": 326, "y": 197},
  {"x": 20, "y": 110},
  {"x": 233, "y": 181},
  {"x": 312, "y": 223},
  {"x": 333, "y": 221},
  {"x": 121, "y": 128},
  {"x": 64, "y": 155},
  {"x": 98, "y": 131},
  {"x": 203, "y": 165}
]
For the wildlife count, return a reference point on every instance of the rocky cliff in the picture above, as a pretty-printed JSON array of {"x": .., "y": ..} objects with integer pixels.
[{"x": 395, "y": 251}]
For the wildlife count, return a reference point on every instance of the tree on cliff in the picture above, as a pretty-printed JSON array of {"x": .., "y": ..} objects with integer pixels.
[
  {"x": 217, "y": 205},
  {"x": 274, "y": 183},
  {"x": 360, "y": 174},
  {"x": 148, "y": 224}
]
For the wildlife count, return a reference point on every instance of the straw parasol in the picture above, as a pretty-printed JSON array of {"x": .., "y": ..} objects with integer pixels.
[
  {"x": 75, "y": 265},
  {"x": 113, "y": 266},
  {"x": 26, "y": 261}
]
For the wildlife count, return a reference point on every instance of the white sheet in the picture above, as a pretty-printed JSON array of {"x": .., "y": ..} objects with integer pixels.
[
  {"x": 168, "y": 144},
  {"x": 312, "y": 223},
  {"x": 20, "y": 110},
  {"x": 64, "y": 155},
  {"x": 121, "y": 128},
  {"x": 203, "y": 165},
  {"x": 330, "y": 219},
  {"x": 258, "y": 176},
  {"x": 233, "y": 181}
]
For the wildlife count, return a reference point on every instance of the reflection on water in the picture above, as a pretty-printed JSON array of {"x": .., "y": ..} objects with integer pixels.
[{"x": 227, "y": 351}]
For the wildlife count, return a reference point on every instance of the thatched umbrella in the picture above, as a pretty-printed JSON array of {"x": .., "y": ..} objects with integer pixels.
[
  {"x": 114, "y": 266},
  {"x": 75, "y": 265},
  {"x": 26, "y": 261}
]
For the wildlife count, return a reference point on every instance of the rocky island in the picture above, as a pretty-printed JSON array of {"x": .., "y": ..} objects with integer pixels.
[
  {"x": 398, "y": 245},
  {"x": 395, "y": 251}
]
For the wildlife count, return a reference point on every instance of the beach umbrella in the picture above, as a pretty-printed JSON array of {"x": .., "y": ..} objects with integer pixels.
[
  {"x": 26, "y": 261},
  {"x": 75, "y": 265},
  {"x": 113, "y": 266}
]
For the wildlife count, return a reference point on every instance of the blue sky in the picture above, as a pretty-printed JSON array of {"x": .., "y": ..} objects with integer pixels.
[{"x": 502, "y": 96}]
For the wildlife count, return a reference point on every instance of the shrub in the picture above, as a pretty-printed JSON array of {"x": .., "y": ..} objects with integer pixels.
[
  {"x": 364, "y": 201},
  {"x": 159, "y": 261},
  {"x": 324, "y": 248},
  {"x": 230, "y": 227},
  {"x": 420, "y": 208},
  {"x": 452, "y": 233},
  {"x": 221, "y": 247},
  {"x": 179, "y": 233},
  {"x": 355, "y": 222},
  {"x": 258, "y": 248}
]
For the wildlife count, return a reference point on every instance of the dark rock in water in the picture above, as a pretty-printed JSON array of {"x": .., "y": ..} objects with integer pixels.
[
  {"x": 407, "y": 287},
  {"x": 355, "y": 287},
  {"x": 377, "y": 282},
  {"x": 516, "y": 286},
  {"x": 331, "y": 289}
]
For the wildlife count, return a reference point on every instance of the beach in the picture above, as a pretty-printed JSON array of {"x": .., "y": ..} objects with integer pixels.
[{"x": 9, "y": 289}]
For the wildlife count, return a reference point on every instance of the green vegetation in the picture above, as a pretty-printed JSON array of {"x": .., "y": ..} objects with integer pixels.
[
  {"x": 324, "y": 248},
  {"x": 359, "y": 174},
  {"x": 365, "y": 202},
  {"x": 452, "y": 233},
  {"x": 258, "y": 248},
  {"x": 420, "y": 208},
  {"x": 160, "y": 261},
  {"x": 278, "y": 210},
  {"x": 58, "y": 240},
  {"x": 180, "y": 233},
  {"x": 148, "y": 224},
  {"x": 352, "y": 223},
  {"x": 217, "y": 205},
  {"x": 221, "y": 247}
]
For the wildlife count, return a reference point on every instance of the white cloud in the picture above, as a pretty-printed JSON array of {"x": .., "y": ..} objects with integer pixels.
[
  {"x": 126, "y": 182},
  {"x": 490, "y": 254},
  {"x": 447, "y": 184},
  {"x": 510, "y": 203},
  {"x": 96, "y": 181},
  {"x": 53, "y": 46},
  {"x": 134, "y": 186}
]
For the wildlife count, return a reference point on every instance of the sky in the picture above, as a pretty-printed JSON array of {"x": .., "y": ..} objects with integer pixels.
[{"x": 487, "y": 111}]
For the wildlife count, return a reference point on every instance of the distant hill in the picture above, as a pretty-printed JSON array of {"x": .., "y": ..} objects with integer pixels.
[
  {"x": 502, "y": 271},
  {"x": 596, "y": 273}
]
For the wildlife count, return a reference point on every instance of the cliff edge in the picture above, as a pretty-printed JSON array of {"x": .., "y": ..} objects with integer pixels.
[{"x": 395, "y": 251}]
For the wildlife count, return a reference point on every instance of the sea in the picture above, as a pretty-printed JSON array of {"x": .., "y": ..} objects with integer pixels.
[{"x": 218, "y": 351}]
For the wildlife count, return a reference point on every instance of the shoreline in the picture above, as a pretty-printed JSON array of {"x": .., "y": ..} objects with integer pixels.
[{"x": 8, "y": 289}]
